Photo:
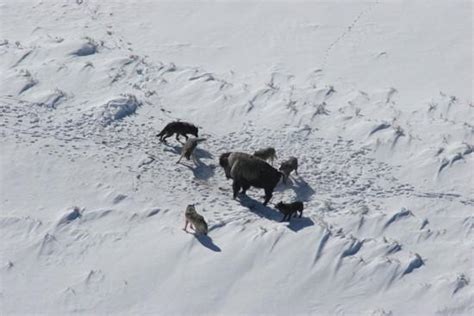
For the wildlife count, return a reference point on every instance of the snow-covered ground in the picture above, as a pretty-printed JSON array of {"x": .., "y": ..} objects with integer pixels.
[{"x": 373, "y": 97}]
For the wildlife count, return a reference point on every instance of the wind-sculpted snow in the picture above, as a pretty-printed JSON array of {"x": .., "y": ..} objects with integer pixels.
[
  {"x": 117, "y": 109},
  {"x": 385, "y": 158}
]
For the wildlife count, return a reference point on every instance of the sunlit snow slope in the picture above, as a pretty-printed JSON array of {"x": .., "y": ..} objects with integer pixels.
[{"x": 373, "y": 97}]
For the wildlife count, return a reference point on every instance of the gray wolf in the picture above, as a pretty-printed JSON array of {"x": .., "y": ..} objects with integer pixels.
[
  {"x": 266, "y": 154},
  {"x": 188, "y": 148},
  {"x": 288, "y": 166},
  {"x": 197, "y": 222}
]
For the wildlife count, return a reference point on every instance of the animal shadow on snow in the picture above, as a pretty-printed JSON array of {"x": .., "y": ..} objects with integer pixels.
[
  {"x": 199, "y": 169},
  {"x": 297, "y": 224},
  {"x": 198, "y": 152},
  {"x": 302, "y": 189},
  {"x": 207, "y": 242},
  {"x": 259, "y": 209}
]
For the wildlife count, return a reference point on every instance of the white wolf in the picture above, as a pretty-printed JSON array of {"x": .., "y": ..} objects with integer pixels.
[
  {"x": 188, "y": 148},
  {"x": 198, "y": 224}
]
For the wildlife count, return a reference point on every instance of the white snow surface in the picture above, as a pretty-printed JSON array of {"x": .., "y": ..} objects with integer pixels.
[{"x": 374, "y": 98}]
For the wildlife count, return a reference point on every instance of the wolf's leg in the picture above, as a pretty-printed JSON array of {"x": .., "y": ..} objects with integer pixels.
[
  {"x": 301, "y": 213},
  {"x": 193, "y": 156},
  {"x": 296, "y": 170},
  {"x": 186, "y": 225},
  {"x": 180, "y": 157},
  {"x": 192, "y": 227},
  {"x": 168, "y": 134}
]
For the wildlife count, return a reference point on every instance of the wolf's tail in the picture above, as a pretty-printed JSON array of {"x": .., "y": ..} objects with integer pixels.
[{"x": 161, "y": 133}]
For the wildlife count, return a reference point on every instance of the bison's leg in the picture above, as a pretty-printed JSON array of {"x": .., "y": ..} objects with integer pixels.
[
  {"x": 236, "y": 188},
  {"x": 245, "y": 187},
  {"x": 268, "y": 195},
  {"x": 227, "y": 172}
]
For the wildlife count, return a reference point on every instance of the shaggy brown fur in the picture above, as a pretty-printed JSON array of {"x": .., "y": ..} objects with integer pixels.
[
  {"x": 227, "y": 160},
  {"x": 251, "y": 171}
]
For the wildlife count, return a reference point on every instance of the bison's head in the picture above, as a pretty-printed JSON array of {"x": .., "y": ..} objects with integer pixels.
[{"x": 224, "y": 163}]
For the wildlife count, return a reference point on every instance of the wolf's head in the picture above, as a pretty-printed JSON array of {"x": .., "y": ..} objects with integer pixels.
[{"x": 190, "y": 209}]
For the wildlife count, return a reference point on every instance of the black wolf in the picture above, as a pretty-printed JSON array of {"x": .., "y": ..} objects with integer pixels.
[
  {"x": 178, "y": 128},
  {"x": 289, "y": 209}
]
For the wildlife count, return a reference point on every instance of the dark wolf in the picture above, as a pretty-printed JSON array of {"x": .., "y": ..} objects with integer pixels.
[
  {"x": 288, "y": 209},
  {"x": 178, "y": 128}
]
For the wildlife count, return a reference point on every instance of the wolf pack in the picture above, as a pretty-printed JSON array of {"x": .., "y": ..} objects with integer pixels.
[{"x": 246, "y": 170}]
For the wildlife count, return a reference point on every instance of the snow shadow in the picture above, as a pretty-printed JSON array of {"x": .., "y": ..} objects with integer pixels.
[
  {"x": 201, "y": 170},
  {"x": 207, "y": 242},
  {"x": 199, "y": 153},
  {"x": 297, "y": 224},
  {"x": 202, "y": 154},
  {"x": 302, "y": 189},
  {"x": 259, "y": 209},
  {"x": 175, "y": 149}
]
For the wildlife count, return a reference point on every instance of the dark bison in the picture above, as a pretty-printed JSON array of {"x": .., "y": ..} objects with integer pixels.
[
  {"x": 178, "y": 128},
  {"x": 247, "y": 171},
  {"x": 227, "y": 160}
]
